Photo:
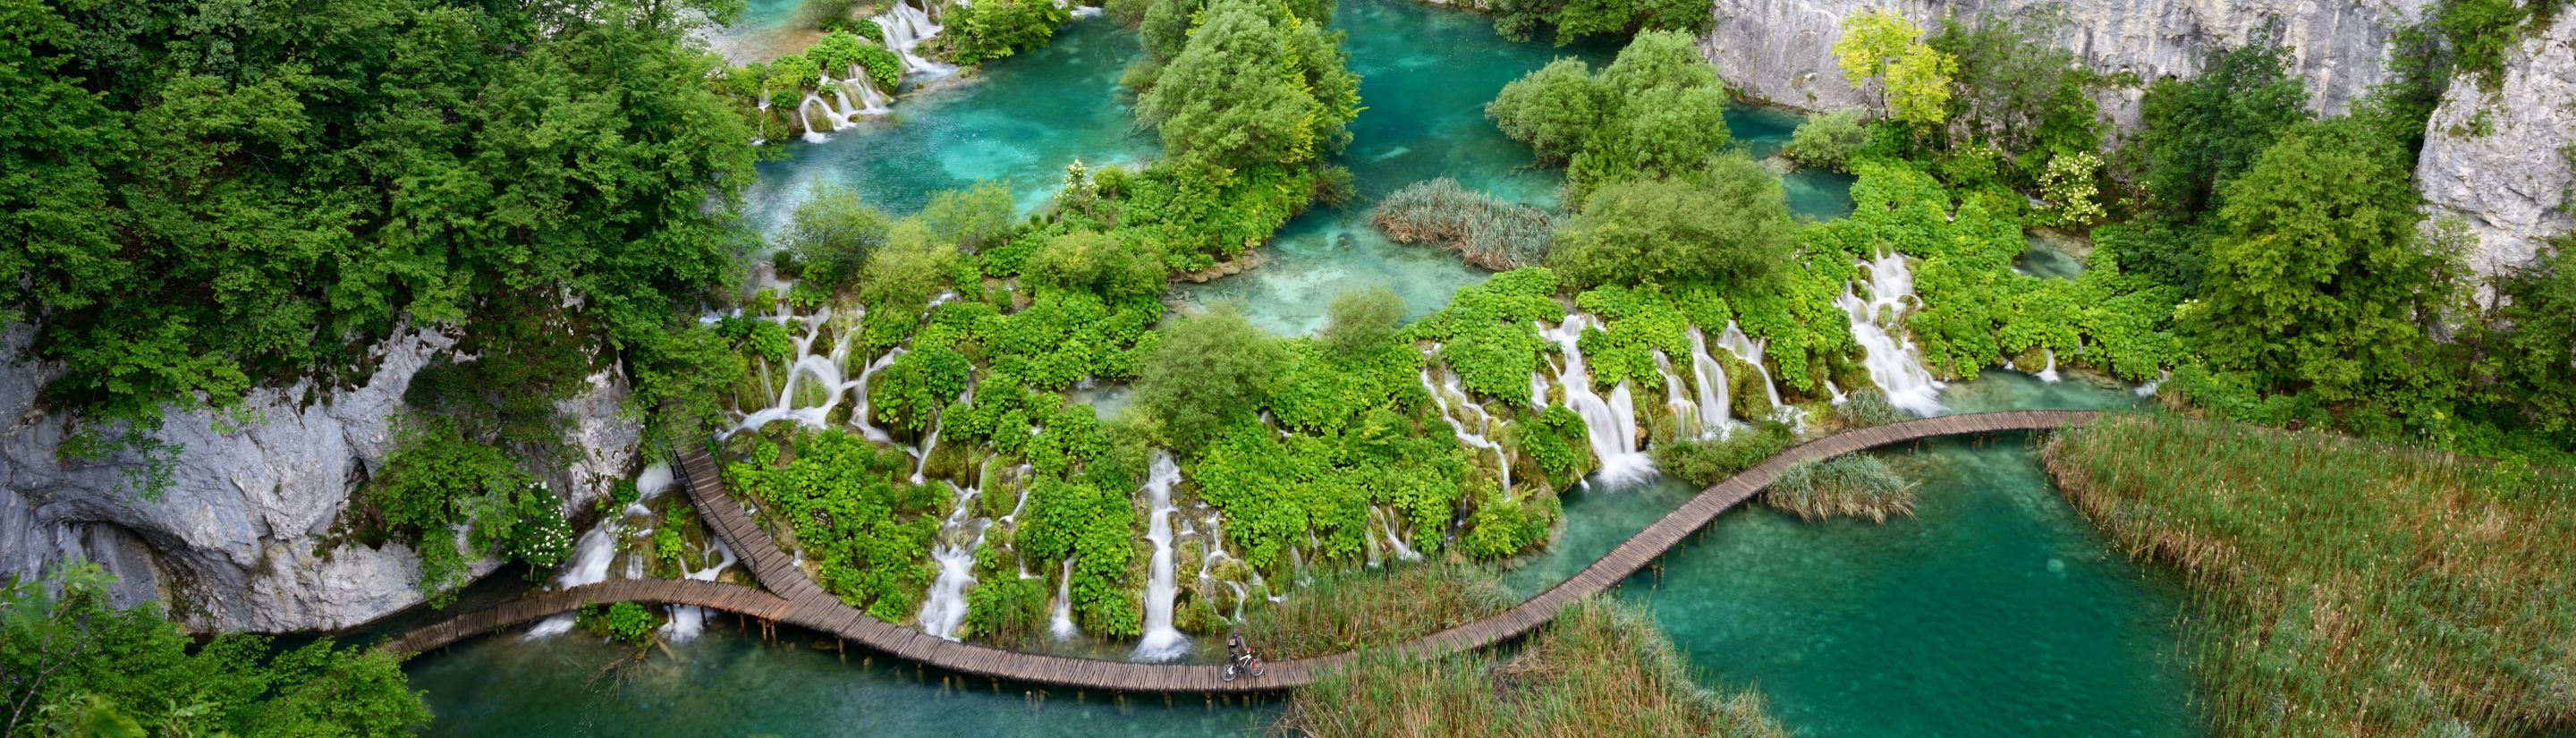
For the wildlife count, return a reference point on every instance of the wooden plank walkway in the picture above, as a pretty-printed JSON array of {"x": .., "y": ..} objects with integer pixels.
[{"x": 788, "y": 595}]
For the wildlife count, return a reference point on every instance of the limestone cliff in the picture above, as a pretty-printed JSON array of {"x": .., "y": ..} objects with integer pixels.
[
  {"x": 1782, "y": 50},
  {"x": 240, "y": 540},
  {"x": 2500, "y": 159}
]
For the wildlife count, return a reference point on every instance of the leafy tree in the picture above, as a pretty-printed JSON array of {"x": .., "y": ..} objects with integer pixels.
[
  {"x": 2018, "y": 92},
  {"x": 262, "y": 198},
  {"x": 2532, "y": 339},
  {"x": 911, "y": 268},
  {"x": 1099, "y": 264},
  {"x": 1207, "y": 371},
  {"x": 1914, "y": 78},
  {"x": 1657, "y": 110},
  {"x": 2197, "y": 135},
  {"x": 1726, "y": 224},
  {"x": 1579, "y": 19},
  {"x": 1827, "y": 140},
  {"x": 1553, "y": 109},
  {"x": 972, "y": 217},
  {"x": 2317, "y": 280},
  {"x": 830, "y": 236},
  {"x": 434, "y": 483},
  {"x": 72, "y": 663},
  {"x": 1362, "y": 320},
  {"x": 998, "y": 28},
  {"x": 2067, "y": 184},
  {"x": 1253, "y": 85}
]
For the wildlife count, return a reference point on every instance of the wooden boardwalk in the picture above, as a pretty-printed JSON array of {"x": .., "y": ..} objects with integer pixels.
[{"x": 787, "y": 595}]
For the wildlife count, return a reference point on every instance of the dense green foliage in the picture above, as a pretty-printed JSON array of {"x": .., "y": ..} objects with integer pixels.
[
  {"x": 2019, "y": 94},
  {"x": 266, "y": 193},
  {"x": 73, "y": 664},
  {"x": 868, "y": 536},
  {"x": 1599, "y": 668},
  {"x": 1725, "y": 225},
  {"x": 993, "y": 29},
  {"x": 1913, "y": 76},
  {"x": 1656, "y": 111},
  {"x": 1706, "y": 463},
  {"x": 1827, "y": 140},
  {"x": 624, "y": 621},
  {"x": 1254, "y": 84},
  {"x": 1209, "y": 371},
  {"x": 1360, "y": 322},
  {"x": 434, "y": 484},
  {"x": 1576, "y": 19},
  {"x": 2200, "y": 133},
  {"x": 2304, "y": 621},
  {"x": 829, "y": 237},
  {"x": 1488, "y": 231}
]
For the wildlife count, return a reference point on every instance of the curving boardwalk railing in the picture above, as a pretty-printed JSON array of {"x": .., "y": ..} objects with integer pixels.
[{"x": 792, "y": 597}]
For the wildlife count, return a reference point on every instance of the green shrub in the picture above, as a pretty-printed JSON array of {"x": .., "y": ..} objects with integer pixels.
[
  {"x": 624, "y": 621},
  {"x": 1856, "y": 485},
  {"x": 1705, "y": 463},
  {"x": 1828, "y": 140},
  {"x": 1353, "y": 610}
]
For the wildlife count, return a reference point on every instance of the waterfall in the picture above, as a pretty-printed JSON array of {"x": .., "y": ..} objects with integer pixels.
[
  {"x": 1162, "y": 642},
  {"x": 1889, "y": 354},
  {"x": 1744, "y": 347},
  {"x": 689, "y": 620},
  {"x": 823, "y": 369},
  {"x": 591, "y": 556},
  {"x": 2049, "y": 373},
  {"x": 905, "y": 28},
  {"x": 1063, "y": 627},
  {"x": 1396, "y": 542},
  {"x": 1538, "y": 391},
  {"x": 1687, "y": 417},
  {"x": 945, "y": 607},
  {"x": 1714, "y": 418},
  {"x": 1612, "y": 422},
  {"x": 813, "y": 101},
  {"x": 1475, "y": 438},
  {"x": 871, "y": 100},
  {"x": 859, "y": 410}
]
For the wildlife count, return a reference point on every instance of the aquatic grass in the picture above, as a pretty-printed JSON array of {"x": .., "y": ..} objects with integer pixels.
[
  {"x": 1359, "y": 609},
  {"x": 1707, "y": 462},
  {"x": 1854, "y": 486},
  {"x": 1487, "y": 231},
  {"x": 1600, "y": 668},
  {"x": 2341, "y": 587}
]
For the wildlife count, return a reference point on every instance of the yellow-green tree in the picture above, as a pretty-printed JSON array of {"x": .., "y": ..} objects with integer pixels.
[{"x": 1914, "y": 78}]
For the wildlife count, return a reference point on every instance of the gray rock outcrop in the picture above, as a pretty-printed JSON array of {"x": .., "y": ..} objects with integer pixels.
[
  {"x": 241, "y": 539},
  {"x": 1782, "y": 50},
  {"x": 2500, "y": 160}
]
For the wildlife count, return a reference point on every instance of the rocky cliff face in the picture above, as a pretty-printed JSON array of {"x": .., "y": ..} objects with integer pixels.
[
  {"x": 2500, "y": 160},
  {"x": 1782, "y": 50},
  {"x": 240, "y": 541}
]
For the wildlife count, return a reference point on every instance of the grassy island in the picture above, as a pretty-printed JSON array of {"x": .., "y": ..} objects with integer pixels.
[{"x": 2346, "y": 588}]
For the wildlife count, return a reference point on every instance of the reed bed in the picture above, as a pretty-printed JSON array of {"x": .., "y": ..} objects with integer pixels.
[
  {"x": 1854, "y": 486},
  {"x": 1600, "y": 669},
  {"x": 2341, "y": 588},
  {"x": 1359, "y": 609},
  {"x": 1487, "y": 231}
]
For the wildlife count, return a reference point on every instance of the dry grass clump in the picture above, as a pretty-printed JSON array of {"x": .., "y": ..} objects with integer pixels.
[
  {"x": 2347, "y": 589},
  {"x": 1358, "y": 609},
  {"x": 1600, "y": 669},
  {"x": 1854, "y": 486},
  {"x": 1489, "y": 232}
]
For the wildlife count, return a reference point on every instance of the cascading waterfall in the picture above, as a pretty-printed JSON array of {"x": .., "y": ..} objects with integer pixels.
[
  {"x": 1687, "y": 416},
  {"x": 1715, "y": 419},
  {"x": 905, "y": 27},
  {"x": 1162, "y": 642},
  {"x": 958, "y": 539},
  {"x": 1744, "y": 347},
  {"x": 1888, "y": 353},
  {"x": 1538, "y": 391},
  {"x": 811, "y": 101},
  {"x": 1475, "y": 438},
  {"x": 1062, "y": 626},
  {"x": 689, "y": 620},
  {"x": 872, "y": 101},
  {"x": 591, "y": 556},
  {"x": 1611, "y": 422},
  {"x": 822, "y": 369},
  {"x": 859, "y": 410},
  {"x": 1395, "y": 541},
  {"x": 2048, "y": 374}
]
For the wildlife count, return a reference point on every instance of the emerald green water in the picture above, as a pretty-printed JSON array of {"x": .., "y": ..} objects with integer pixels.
[
  {"x": 726, "y": 683},
  {"x": 1994, "y": 610}
]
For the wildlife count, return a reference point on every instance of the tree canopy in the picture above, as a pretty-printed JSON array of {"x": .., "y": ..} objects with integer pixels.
[
  {"x": 1254, "y": 84},
  {"x": 1657, "y": 110},
  {"x": 1725, "y": 224}
]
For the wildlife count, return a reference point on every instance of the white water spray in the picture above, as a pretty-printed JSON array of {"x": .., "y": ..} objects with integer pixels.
[
  {"x": 1612, "y": 421},
  {"x": 1162, "y": 642},
  {"x": 1888, "y": 353}
]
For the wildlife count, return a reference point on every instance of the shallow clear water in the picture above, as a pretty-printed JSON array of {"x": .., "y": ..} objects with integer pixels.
[
  {"x": 1018, "y": 121},
  {"x": 2046, "y": 259},
  {"x": 727, "y": 683},
  {"x": 1994, "y": 610}
]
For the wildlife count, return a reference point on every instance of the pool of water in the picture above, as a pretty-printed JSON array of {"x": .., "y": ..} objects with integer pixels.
[
  {"x": 1994, "y": 610},
  {"x": 1018, "y": 121},
  {"x": 728, "y": 683}
]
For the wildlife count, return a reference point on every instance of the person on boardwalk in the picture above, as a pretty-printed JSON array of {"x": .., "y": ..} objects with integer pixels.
[{"x": 1239, "y": 657}]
